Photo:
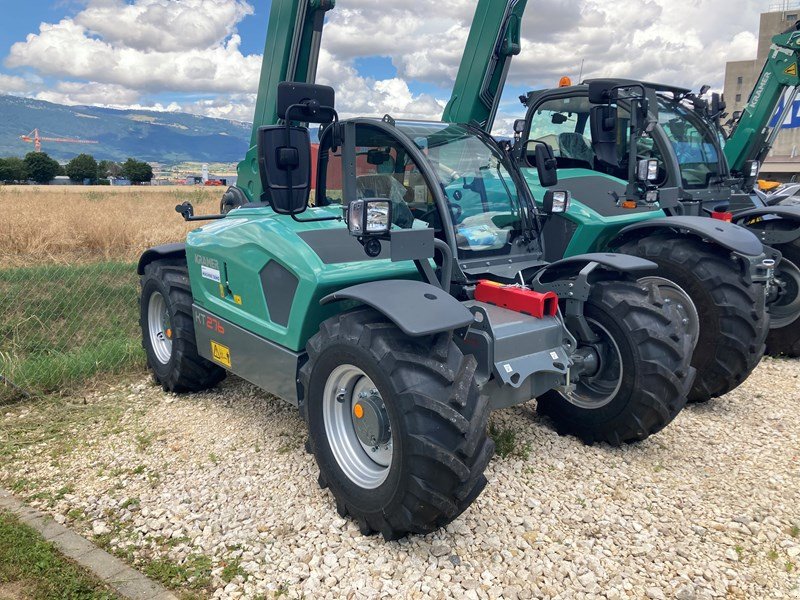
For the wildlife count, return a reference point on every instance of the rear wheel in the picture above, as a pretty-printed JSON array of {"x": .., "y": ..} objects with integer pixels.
[
  {"x": 636, "y": 368},
  {"x": 397, "y": 424},
  {"x": 731, "y": 311},
  {"x": 784, "y": 334},
  {"x": 168, "y": 330}
]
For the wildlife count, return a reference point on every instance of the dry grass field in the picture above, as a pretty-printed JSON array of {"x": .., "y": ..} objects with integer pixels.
[
  {"x": 68, "y": 283},
  {"x": 74, "y": 224}
]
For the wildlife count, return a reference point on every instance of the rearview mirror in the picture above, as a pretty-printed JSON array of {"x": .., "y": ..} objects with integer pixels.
[
  {"x": 600, "y": 91},
  {"x": 559, "y": 119},
  {"x": 378, "y": 157},
  {"x": 542, "y": 156},
  {"x": 306, "y": 102},
  {"x": 285, "y": 168},
  {"x": 604, "y": 134}
]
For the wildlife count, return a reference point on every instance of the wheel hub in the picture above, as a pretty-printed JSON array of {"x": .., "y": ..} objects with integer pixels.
[
  {"x": 600, "y": 378},
  {"x": 159, "y": 327},
  {"x": 370, "y": 420},
  {"x": 673, "y": 294}
]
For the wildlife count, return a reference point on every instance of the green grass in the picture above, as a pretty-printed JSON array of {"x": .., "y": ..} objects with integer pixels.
[
  {"x": 193, "y": 574},
  {"x": 41, "y": 572},
  {"x": 60, "y": 325},
  {"x": 506, "y": 443}
]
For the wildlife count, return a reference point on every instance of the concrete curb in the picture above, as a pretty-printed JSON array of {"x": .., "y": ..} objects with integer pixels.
[{"x": 127, "y": 582}]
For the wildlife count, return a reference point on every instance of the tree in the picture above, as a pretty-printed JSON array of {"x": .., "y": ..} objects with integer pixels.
[
  {"x": 13, "y": 169},
  {"x": 108, "y": 168},
  {"x": 41, "y": 168},
  {"x": 82, "y": 167},
  {"x": 137, "y": 171}
]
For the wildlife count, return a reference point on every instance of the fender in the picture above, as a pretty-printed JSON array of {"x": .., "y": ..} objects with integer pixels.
[
  {"x": 753, "y": 218},
  {"x": 417, "y": 308},
  {"x": 623, "y": 263},
  {"x": 728, "y": 235},
  {"x": 160, "y": 252}
]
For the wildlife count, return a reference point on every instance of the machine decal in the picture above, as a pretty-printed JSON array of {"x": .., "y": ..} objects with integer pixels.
[
  {"x": 221, "y": 354},
  {"x": 791, "y": 70},
  {"x": 237, "y": 299},
  {"x": 209, "y": 273}
]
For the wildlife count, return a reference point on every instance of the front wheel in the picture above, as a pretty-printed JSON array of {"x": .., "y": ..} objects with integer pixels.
[
  {"x": 397, "y": 425},
  {"x": 636, "y": 369}
]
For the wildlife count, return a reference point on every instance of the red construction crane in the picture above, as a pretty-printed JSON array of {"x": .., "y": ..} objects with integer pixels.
[{"x": 34, "y": 138}]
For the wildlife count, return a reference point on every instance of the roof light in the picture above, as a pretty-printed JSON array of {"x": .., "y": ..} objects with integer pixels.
[{"x": 564, "y": 82}]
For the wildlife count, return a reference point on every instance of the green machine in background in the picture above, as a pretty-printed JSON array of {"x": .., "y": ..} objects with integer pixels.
[
  {"x": 617, "y": 204},
  {"x": 392, "y": 313}
]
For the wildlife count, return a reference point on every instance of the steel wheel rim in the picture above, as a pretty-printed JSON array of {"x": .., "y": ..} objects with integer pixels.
[
  {"x": 783, "y": 314},
  {"x": 159, "y": 325},
  {"x": 366, "y": 468},
  {"x": 675, "y": 295},
  {"x": 596, "y": 391}
]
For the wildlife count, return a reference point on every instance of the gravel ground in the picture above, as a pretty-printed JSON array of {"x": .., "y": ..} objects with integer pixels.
[{"x": 708, "y": 508}]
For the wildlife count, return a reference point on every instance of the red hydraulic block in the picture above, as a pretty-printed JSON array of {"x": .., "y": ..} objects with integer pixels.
[
  {"x": 518, "y": 299},
  {"x": 722, "y": 216}
]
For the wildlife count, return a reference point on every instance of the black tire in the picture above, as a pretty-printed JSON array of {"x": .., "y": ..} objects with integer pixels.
[
  {"x": 733, "y": 318},
  {"x": 232, "y": 198},
  {"x": 186, "y": 370},
  {"x": 656, "y": 375},
  {"x": 438, "y": 422},
  {"x": 785, "y": 341}
]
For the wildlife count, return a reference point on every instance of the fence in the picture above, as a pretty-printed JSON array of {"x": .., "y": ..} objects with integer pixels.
[{"x": 68, "y": 283}]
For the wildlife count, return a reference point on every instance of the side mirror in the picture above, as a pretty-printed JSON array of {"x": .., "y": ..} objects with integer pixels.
[
  {"x": 604, "y": 133},
  {"x": 717, "y": 104},
  {"x": 306, "y": 102},
  {"x": 519, "y": 126},
  {"x": 371, "y": 217},
  {"x": 541, "y": 156},
  {"x": 285, "y": 168},
  {"x": 601, "y": 91},
  {"x": 704, "y": 90},
  {"x": 555, "y": 202},
  {"x": 737, "y": 114}
]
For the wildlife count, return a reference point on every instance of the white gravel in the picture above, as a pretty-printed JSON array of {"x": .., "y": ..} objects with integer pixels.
[{"x": 709, "y": 508}]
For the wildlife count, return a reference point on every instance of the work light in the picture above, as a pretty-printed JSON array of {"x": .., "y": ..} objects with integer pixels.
[{"x": 369, "y": 217}]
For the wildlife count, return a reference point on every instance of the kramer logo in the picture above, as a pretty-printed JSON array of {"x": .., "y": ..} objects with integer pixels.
[
  {"x": 204, "y": 261},
  {"x": 759, "y": 90}
]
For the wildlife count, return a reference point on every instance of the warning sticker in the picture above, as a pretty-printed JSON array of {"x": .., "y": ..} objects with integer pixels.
[
  {"x": 209, "y": 273},
  {"x": 221, "y": 354},
  {"x": 791, "y": 70}
]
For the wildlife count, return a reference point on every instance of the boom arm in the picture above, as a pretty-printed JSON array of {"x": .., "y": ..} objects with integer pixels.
[
  {"x": 493, "y": 40},
  {"x": 752, "y": 138},
  {"x": 291, "y": 53}
]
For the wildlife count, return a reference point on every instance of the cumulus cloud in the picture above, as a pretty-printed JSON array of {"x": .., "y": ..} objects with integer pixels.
[
  {"x": 96, "y": 94},
  {"x": 11, "y": 84}
]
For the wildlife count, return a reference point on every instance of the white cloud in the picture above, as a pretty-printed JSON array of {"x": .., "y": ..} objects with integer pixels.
[
  {"x": 92, "y": 93},
  {"x": 10, "y": 84}
]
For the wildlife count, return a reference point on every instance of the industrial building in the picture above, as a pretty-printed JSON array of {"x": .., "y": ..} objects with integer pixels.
[{"x": 741, "y": 76}]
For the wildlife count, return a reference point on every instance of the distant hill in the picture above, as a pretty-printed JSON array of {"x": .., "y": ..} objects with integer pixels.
[{"x": 146, "y": 135}]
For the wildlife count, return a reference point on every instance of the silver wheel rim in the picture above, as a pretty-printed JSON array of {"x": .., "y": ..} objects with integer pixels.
[
  {"x": 681, "y": 301},
  {"x": 366, "y": 466},
  {"x": 596, "y": 391},
  {"x": 160, "y": 327},
  {"x": 783, "y": 313}
]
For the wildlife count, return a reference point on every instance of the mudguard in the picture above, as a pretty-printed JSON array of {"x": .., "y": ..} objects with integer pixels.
[
  {"x": 791, "y": 213},
  {"x": 616, "y": 262},
  {"x": 160, "y": 252},
  {"x": 417, "y": 308},
  {"x": 728, "y": 235}
]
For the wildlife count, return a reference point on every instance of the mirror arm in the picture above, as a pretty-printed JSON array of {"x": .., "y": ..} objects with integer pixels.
[{"x": 186, "y": 210}]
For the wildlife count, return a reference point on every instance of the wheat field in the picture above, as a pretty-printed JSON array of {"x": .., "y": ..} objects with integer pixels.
[{"x": 69, "y": 225}]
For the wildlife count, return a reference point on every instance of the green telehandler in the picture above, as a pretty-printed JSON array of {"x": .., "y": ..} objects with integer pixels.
[
  {"x": 585, "y": 134},
  {"x": 393, "y": 327}
]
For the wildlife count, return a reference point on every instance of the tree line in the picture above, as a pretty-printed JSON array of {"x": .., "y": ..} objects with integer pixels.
[{"x": 40, "y": 168}]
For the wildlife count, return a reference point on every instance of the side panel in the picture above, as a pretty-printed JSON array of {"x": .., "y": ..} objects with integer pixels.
[
  {"x": 230, "y": 264},
  {"x": 595, "y": 219},
  {"x": 259, "y": 361}
]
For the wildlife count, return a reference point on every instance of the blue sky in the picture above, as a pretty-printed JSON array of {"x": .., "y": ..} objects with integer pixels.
[{"x": 204, "y": 56}]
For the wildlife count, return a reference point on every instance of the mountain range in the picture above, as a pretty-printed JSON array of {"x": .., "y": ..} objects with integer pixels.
[{"x": 165, "y": 137}]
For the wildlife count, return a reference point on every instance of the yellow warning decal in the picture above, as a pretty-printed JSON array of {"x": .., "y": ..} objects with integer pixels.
[
  {"x": 221, "y": 291},
  {"x": 237, "y": 299},
  {"x": 221, "y": 354},
  {"x": 791, "y": 70}
]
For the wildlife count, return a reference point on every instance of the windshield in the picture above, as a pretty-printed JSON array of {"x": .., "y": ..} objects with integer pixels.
[
  {"x": 693, "y": 144},
  {"x": 483, "y": 199}
]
